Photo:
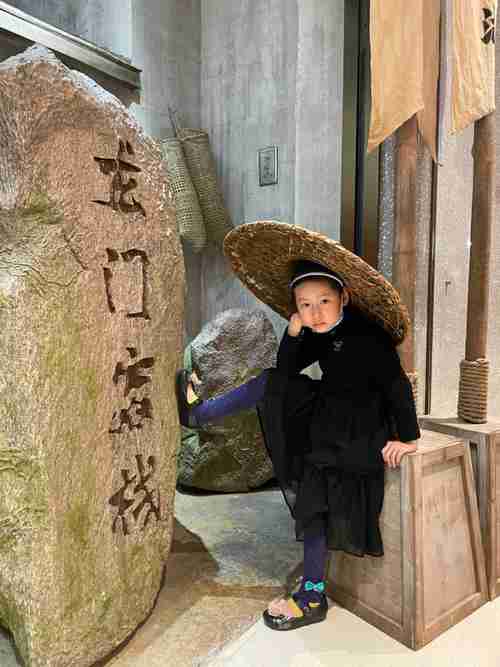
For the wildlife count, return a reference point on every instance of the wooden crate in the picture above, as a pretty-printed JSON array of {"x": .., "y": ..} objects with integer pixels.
[
  {"x": 485, "y": 441},
  {"x": 433, "y": 573}
]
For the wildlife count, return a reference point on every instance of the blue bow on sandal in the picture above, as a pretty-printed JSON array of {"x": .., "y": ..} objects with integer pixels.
[{"x": 319, "y": 587}]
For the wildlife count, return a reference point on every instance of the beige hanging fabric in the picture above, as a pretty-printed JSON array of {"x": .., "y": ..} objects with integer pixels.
[
  {"x": 473, "y": 88},
  {"x": 201, "y": 165},
  {"x": 427, "y": 117},
  {"x": 188, "y": 211},
  {"x": 396, "y": 42}
]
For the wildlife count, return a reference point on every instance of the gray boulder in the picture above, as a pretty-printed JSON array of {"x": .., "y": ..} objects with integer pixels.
[{"x": 230, "y": 454}]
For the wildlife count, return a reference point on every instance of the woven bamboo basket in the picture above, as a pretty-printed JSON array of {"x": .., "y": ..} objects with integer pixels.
[
  {"x": 189, "y": 215},
  {"x": 201, "y": 165}
]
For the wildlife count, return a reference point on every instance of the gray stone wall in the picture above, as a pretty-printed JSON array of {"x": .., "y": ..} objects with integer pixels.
[
  {"x": 319, "y": 105},
  {"x": 61, "y": 13},
  {"x": 104, "y": 22},
  {"x": 272, "y": 75},
  {"x": 248, "y": 75},
  {"x": 453, "y": 215},
  {"x": 166, "y": 46}
]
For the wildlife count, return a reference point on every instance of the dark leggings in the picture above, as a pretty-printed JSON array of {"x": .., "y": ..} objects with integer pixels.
[{"x": 244, "y": 397}]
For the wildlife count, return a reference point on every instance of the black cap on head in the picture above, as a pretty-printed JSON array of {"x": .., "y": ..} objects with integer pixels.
[{"x": 305, "y": 268}]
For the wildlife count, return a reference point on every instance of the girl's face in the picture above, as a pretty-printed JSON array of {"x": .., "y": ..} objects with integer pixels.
[{"x": 318, "y": 303}]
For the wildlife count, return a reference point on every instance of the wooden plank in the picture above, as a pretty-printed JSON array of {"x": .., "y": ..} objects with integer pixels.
[
  {"x": 452, "y": 617},
  {"x": 415, "y": 589},
  {"x": 473, "y": 512},
  {"x": 408, "y": 539},
  {"x": 443, "y": 455},
  {"x": 404, "y": 261},
  {"x": 432, "y": 440},
  {"x": 455, "y": 426},
  {"x": 494, "y": 507},
  {"x": 447, "y": 547},
  {"x": 484, "y": 439}
]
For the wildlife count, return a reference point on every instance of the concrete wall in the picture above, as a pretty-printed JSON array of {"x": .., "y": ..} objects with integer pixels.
[
  {"x": 104, "y": 22},
  {"x": 319, "y": 106},
  {"x": 161, "y": 37},
  {"x": 271, "y": 75},
  {"x": 249, "y": 56},
  {"x": 453, "y": 214},
  {"x": 166, "y": 44}
]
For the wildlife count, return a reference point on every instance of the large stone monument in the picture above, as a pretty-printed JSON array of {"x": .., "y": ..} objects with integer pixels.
[{"x": 91, "y": 294}]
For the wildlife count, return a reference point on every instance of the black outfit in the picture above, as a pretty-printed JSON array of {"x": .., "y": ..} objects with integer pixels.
[{"x": 325, "y": 436}]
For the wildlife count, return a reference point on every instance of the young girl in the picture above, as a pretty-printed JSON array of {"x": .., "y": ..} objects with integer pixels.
[{"x": 328, "y": 439}]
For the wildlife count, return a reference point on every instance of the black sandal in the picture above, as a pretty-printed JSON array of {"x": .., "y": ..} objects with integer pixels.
[
  {"x": 314, "y": 612},
  {"x": 186, "y": 417}
]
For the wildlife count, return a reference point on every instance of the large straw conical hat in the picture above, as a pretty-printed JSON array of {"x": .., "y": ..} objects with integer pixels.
[{"x": 262, "y": 255}]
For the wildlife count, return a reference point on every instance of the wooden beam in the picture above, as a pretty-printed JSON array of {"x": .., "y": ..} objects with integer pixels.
[
  {"x": 404, "y": 265},
  {"x": 483, "y": 213}
]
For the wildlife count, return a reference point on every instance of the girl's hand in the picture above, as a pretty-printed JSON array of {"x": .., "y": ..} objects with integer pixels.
[
  {"x": 295, "y": 325},
  {"x": 394, "y": 451}
]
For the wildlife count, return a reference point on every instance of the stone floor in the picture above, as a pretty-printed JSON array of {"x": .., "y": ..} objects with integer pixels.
[
  {"x": 231, "y": 555},
  {"x": 344, "y": 640}
]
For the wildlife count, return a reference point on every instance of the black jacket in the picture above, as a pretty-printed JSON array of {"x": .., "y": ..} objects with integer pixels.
[
  {"x": 325, "y": 436},
  {"x": 364, "y": 397}
]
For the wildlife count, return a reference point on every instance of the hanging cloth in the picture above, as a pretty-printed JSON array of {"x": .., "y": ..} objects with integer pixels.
[
  {"x": 396, "y": 53},
  {"x": 473, "y": 88},
  {"x": 404, "y": 43}
]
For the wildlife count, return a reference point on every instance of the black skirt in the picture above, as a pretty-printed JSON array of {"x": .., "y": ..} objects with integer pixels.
[{"x": 325, "y": 461}]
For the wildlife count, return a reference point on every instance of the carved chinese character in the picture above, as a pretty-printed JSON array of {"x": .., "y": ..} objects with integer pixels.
[
  {"x": 134, "y": 374},
  {"x": 488, "y": 26},
  {"x": 132, "y": 417},
  {"x": 120, "y": 197},
  {"x": 136, "y": 501},
  {"x": 128, "y": 256}
]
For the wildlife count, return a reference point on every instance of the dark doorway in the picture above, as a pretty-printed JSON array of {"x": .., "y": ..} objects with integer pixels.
[{"x": 360, "y": 171}]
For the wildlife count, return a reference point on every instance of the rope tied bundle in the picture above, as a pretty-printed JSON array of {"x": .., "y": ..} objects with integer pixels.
[{"x": 473, "y": 391}]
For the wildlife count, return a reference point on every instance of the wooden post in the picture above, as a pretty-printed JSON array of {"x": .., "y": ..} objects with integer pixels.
[
  {"x": 483, "y": 211},
  {"x": 473, "y": 387},
  {"x": 405, "y": 234}
]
